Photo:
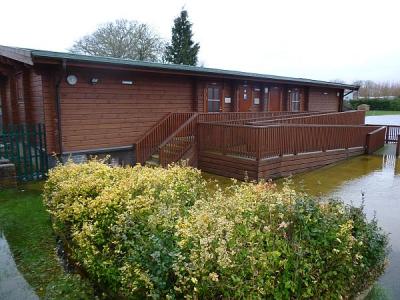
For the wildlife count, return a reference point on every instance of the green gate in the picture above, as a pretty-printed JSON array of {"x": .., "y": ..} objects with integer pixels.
[{"x": 25, "y": 146}]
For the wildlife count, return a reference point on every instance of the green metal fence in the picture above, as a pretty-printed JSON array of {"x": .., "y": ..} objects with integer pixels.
[{"x": 25, "y": 146}]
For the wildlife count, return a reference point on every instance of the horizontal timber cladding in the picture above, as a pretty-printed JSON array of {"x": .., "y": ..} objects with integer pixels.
[
  {"x": 241, "y": 168},
  {"x": 34, "y": 98},
  {"x": 226, "y": 165},
  {"x": 291, "y": 164},
  {"x": 320, "y": 99},
  {"x": 112, "y": 114}
]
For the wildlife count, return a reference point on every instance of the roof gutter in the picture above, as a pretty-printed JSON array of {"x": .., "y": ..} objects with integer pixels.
[{"x": 181, "y": 69}]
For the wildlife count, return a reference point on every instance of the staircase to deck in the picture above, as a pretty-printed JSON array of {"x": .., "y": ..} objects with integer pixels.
[{"x": 168, "y": 141}]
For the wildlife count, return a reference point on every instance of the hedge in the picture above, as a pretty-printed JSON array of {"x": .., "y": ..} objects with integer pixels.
[
  {"x": 158, "y": 233},
  {"x": 377, "y": 104}
]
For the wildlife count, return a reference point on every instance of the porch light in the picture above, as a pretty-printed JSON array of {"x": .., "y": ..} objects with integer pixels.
[
  {"x": 72, "y": 79},
  {"x": 325, "y": 93},
  {"x": 127, "y": 82},
  {"x": 94, "y": 81}
]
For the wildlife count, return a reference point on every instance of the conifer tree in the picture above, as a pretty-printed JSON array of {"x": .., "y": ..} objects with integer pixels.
[{"x": 182, "y": 50}]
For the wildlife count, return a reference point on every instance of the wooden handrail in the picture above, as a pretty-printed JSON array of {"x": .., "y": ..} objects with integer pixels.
[
  {"x": 176, "y": 145},
  {"x": 392, "y": 131},
  {"x": 149, "y": 143},
  {"x": 375, "y": 139},
  {"x": 346, "y": 118},
  {"x": 177, "y": 131},
  {"x": 153, "y": 128}
]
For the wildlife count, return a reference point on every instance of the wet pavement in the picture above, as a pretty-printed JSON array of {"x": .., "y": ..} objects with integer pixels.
[
  {"x": 13, "y": 286},
  {"x": 376, "y": 178}
]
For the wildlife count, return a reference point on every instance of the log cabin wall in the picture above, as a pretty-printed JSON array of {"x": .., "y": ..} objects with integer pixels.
[
  {"x": 323, "y": 99},
  {"x": 5, "y": 101},
  {"x": 111, "y": 114},
  {"x": 22, "y": 100},
  {"x": 33, "y": 97},
  {"x": 48, "y": 78}
]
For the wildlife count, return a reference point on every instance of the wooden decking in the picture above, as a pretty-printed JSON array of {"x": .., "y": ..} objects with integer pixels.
[{"x": 262, "y": 145}]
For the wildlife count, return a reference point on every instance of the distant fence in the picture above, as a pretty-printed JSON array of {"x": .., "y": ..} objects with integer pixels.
[
  {"x": 25, "y": 146},
  {"x": 392, "y": 132}
]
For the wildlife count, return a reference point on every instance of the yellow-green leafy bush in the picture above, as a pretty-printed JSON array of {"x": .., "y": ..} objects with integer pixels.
[{"x": 160, "y": 233}]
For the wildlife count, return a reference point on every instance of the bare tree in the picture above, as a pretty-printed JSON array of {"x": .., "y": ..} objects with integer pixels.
[
  {"x": 122, "y": 39},
  {"x": 372, "y": 89}
]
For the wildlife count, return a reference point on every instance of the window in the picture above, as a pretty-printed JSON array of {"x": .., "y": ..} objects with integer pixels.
[
  {"x": 214, "y": 100},
  {"x": 256, "y": 96},
  {"x": 19, "y": 88},
  {"x": 295, "y": 100}
]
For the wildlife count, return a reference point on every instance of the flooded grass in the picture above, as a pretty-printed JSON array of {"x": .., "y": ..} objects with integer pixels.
[
  {"x": 27, "y": 228},
  {"x": 373, "y": 180}
]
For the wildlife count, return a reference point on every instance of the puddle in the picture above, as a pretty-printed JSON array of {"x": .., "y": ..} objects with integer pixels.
[
  {"x": 13, "y": 286},
  {"x": 377, "y": 179}
]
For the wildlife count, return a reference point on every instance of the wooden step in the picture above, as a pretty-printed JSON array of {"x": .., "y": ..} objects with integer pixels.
[{"x": 152, "y": 163}]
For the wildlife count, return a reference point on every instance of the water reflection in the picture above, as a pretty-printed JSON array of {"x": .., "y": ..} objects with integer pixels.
[
  {"x": 12, "y": 284},
  {"x": 377, "y": 177}
]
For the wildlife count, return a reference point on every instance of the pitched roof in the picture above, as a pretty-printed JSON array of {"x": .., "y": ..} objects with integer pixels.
[{"x": 25, "y": 53}]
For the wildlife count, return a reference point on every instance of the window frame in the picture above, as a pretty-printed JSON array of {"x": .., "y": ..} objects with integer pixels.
[
  {"x": 213, "y": 98},
  {"x": 295, "y": 100}
]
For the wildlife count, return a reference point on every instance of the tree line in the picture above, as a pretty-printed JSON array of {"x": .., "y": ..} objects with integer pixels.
[
  {"x": 133, "y": 40},
  {"x": 384, "y": 89}
]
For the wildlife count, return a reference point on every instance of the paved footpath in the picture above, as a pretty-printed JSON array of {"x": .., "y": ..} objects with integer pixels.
[{"x": 13, "y": 285}]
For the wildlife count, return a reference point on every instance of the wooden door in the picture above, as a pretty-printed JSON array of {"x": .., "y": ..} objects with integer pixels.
[
  {"x": 245, "y": 98},
  {"x": 274, "y": 103}
]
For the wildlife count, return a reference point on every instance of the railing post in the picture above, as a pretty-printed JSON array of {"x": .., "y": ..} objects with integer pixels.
[
  {"x": 223, "y": 140},
  {"x": 398, "y": 146},
  {"x": 387, "y": 134},
  {"x": 367, "y": 143},
  {"x": 258, "y": 138}
]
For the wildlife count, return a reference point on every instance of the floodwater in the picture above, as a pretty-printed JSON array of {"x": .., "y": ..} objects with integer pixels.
[
  {"x": 376, "y": 178},
  {"x": 383, "y": 120},
  {"x": 13, "y": 285}
]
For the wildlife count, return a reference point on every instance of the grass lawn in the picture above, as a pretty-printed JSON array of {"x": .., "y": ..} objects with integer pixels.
[
  {"x": 382, "y": 112},
  {"x": 27, "y": 228}
]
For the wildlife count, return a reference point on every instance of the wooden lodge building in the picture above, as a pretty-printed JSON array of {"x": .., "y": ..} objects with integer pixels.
[{"x": 134, "y": 110}]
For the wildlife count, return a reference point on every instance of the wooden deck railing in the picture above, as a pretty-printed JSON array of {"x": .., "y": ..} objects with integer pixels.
[
  {"x": 231, "y": 116},
  {"x": 151, "y": 140},
  {"x": 165, "y": 136},
  {"x": 179, "y": 142},
  {"x": 272, "y": 118},
  {"x": 263, "y": 142},
  {"x": 176, "y": 133},
  {"x": 392, "y": 132},
  {"x": 332, "y": 118},
  {"x": 375, "y": 139}
]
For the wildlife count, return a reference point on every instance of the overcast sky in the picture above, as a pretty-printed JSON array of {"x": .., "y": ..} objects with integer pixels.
[{"x": 340, "y": 39}]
